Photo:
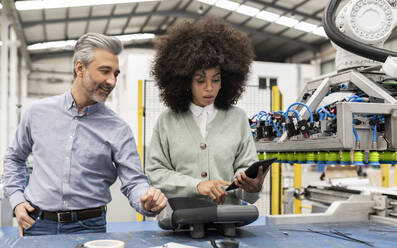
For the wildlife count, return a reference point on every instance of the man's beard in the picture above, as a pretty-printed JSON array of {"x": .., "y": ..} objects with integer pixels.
[
  {"x": 95, "y": 94},
  {"x": 100, "y": 96}
]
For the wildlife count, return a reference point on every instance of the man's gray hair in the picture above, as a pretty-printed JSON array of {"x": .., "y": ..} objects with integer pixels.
[{"x": 86, "y": 44}]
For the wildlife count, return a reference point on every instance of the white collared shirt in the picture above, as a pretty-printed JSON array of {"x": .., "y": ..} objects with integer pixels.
[{"x": 203, "y": 116}]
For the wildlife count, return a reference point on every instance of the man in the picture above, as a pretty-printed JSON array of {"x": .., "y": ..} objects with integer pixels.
[{"x": 80, "y": 147}]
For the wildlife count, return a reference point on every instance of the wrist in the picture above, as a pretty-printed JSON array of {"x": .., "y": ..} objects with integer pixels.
[
  {"x": 198, "y": 188},
  {"x": 260, "y": 188}
]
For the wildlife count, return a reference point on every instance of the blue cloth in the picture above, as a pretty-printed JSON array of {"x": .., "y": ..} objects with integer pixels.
[
  {"x": 49, "y": 227},
  {"x": 76, "y": 157}
]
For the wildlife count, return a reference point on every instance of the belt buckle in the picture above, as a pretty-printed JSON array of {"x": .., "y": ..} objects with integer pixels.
[{"x": 63, "y": 216}]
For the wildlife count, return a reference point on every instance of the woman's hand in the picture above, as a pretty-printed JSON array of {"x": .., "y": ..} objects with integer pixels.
[
  {"x": 251, "y": 185},
  {"x": 214, "y": 190}
]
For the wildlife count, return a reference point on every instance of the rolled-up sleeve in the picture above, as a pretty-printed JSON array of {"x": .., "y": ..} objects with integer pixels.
[
  {"x": 134, "y": 182},
  {"x": 14, "y": 167}
]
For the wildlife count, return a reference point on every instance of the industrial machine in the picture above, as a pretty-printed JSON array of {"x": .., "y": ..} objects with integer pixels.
[{"x": 348, "y": 117}]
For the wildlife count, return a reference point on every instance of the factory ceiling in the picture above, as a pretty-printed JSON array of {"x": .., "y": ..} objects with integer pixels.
[{"x": 278, "y": 29}]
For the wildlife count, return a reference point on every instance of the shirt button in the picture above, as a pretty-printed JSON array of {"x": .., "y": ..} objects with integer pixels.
[
  {"x": 71, "y": 136},
  {"x": 203, "y": 174},
  {"x": 67, "y": 158},
  {"x": 65, "y": 180},
  {"x": 64, "y": 202},
  {"x": 203, "y": 146}
]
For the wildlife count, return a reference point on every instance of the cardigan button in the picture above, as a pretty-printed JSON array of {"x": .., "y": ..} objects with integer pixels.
[
  {"x": 203, "y": 146},
  {"x": 203, "y": 174}
]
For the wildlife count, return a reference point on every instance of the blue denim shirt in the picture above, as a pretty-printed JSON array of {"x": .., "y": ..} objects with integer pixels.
[{"x": 76, "y": 157}]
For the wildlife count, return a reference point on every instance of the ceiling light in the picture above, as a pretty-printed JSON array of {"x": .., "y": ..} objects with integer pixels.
[
  {"x": 267, "y": 16},
  {"x": 305, "y": 26},
  {"x": 226, "y": 4},
  {"x": 210, "y": 2},
  {"x": 69, "y": 44},
  {"x": 320, "y": 31},
  {"x": 64, "y": 44},
  {"x": 247, "y": 10},
  {"x": 287, "y": 21},
  {"x": 129, "y": 37},
  {"x": 52, "y": 4}
]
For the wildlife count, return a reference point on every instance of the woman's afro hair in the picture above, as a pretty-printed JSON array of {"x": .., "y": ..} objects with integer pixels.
[{"x": 191, "y": 46}]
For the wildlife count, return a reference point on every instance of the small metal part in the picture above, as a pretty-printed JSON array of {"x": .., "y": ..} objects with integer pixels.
[
  {"x": 226, "y": 243},
  {"x": 394, "y": 208}
]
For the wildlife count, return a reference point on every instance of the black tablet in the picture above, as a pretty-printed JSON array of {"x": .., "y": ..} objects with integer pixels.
[{"x": 252, "y": 171}]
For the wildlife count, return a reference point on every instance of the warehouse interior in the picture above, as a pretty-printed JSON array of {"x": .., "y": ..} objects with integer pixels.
[{"x": 320, "y": 99}]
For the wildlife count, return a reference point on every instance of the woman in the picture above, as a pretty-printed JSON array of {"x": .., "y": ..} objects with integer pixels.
[{"x": 202, "y": 142}]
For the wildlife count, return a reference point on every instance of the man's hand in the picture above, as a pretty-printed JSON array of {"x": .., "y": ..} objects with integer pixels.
[
  {"x": 251, "y": 185},
  {"x": 154, "y": 200},
  {"x": 24, "y": 220},
  {"x": 214, "y": 190}
]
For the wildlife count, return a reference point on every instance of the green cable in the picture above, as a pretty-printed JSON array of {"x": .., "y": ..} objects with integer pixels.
[
  {"x": 346, "y": 159},
  {"x": 310, "y": 157},
  {"x": 373, "y": 158},
  {"x": 261, "y": 156},
  {"x": 358, "y": 158},
  {"x": 322, "y": 156}
]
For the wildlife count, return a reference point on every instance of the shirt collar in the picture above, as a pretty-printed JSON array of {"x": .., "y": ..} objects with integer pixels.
[
  {"x": 70, "y": 103},
  {"x": 197, "y": 110}
]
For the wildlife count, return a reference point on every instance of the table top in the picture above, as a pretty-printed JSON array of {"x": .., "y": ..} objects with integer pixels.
[{"x": 257, "y": 234}]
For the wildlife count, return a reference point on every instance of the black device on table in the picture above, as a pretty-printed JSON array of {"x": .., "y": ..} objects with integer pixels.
[
  {"x": 199, "y": 215},
  {"x": 252, "y": 171}
]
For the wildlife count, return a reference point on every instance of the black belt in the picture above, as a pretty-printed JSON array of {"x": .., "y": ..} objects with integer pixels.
[{"x": 69, "y": 216}]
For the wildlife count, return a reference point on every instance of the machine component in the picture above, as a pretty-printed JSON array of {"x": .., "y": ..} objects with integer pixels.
[
  {"x": 384, "y": 199},
  {"x": 361, "y": 26},
  {"x": 327, "y": 195},
  {"x": 231, "y": 243},
  {"x": 361, "y": 118},
  {"x": 197, "y": 215}
]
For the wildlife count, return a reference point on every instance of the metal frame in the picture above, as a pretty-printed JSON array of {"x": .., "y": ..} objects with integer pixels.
[
  {"x": 179, "y": 14},
  {"x": 286, "y": 9},
  {"x": 344, "y": 138}
]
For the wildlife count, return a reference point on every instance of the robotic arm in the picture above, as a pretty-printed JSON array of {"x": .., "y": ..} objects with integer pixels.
[{"x": 360, "y": 30}]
